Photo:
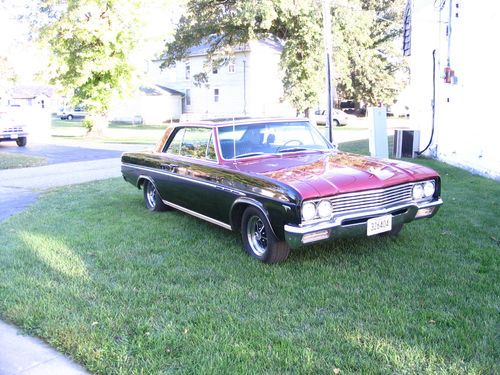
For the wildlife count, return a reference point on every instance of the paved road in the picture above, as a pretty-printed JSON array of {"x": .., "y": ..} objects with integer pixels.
[{"x": 60, "y": 153}]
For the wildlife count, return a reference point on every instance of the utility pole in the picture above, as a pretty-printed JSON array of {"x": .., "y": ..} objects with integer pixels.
[{"x": 330, "y": 88}]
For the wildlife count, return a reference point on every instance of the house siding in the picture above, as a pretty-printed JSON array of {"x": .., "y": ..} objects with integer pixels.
[
  {"x": 253, "y": 89},
  {"x": 467, "y": 126}
]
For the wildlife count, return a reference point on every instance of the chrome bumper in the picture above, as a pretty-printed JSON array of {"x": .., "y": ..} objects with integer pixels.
[{"x": 354, "y": 224}]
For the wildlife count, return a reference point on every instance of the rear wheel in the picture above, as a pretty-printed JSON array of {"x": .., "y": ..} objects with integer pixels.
[
  {"x": 152, "y": 198},
  {"x": 21, "y": 141},
  {"x": 335, "y": 122},
  {"x": 259, "y": 240},
  {"x": 70, "y": 117}
]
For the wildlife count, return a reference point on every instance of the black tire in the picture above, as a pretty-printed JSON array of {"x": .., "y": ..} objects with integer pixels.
[
  {"x": 259, "y": 240},
  {"x": 393, "y": 232},
  {"x": 22, "y": 141},
  {"x": 69, "y": 117},
  {"x": 335, "y": 122},
  {"x": 152, "y": 197}
]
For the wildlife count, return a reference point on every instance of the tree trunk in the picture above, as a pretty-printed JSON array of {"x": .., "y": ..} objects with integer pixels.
[{"x": 97, "y": 123}]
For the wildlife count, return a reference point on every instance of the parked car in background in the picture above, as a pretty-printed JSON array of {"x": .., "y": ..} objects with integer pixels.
[
  {"x": 70, "y": 114},
  {"x": 339, "y": 118},
  {"x": 279, "y": 183},
  {"x": 11, "y": 129}
]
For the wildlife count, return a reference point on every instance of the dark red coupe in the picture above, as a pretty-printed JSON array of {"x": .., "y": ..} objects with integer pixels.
[{"x": 280, "y": 183}]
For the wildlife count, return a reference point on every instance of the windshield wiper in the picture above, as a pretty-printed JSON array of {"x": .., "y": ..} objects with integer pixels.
[
  {"x": 292, "y": 149},
  {"x": 248, "y": 154}
]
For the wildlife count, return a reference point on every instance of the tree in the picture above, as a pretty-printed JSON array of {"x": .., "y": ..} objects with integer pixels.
[
  {"x": 365, "y": 65},
  {"x": 96, "y": 47},
  {"x": 8, "y": 74}
]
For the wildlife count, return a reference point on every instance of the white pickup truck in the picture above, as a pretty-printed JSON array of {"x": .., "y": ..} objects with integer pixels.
[{"x": 12, "y": 130}]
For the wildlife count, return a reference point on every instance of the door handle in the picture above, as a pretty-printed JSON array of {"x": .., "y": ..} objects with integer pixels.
[{"x": 169, "y": 167}]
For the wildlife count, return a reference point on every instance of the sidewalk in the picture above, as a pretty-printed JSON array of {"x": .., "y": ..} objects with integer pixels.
[{"x": 24, "y": 355}]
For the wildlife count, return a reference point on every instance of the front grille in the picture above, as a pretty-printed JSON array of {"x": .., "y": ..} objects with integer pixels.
[
  {"x": 372, "y": 199},
  {"x": 12, "y": 130}
]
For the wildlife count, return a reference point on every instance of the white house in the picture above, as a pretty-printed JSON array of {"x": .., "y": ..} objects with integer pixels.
[
  {"x": 453, "y": 59},
  {"x": 250, "y": 84},
  {"x": 150, "y": 104},
  {"x": 35, "y": 96}
]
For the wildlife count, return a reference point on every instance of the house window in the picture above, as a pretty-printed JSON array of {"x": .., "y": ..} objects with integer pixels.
[
  {"x": 188, "y": 71},
  {"x": 215, "y": 71},
  {"x": 231, "y": 67},
  {"x": 216, "y": 95},
  {"x": 188, "y": 96}
]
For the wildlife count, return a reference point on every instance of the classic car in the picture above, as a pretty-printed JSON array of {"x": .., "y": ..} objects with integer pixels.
[{"x": 280, "y": 183}]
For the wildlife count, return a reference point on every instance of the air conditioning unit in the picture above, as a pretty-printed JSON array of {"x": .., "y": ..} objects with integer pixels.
[{"x": 406, "y": 143}]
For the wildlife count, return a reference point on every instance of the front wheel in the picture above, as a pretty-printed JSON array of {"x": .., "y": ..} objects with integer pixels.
[
  {"x": 22, "y": 141},
  {"x": 69, "y": 117},
  {"x": 152, "y": 198},
  {"x": 259, "y": 240}
]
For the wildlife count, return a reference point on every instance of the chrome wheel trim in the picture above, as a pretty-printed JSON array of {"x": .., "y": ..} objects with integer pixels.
[
  {"x": 151, "y": 195},
  {"x": 257, "y": 236}
]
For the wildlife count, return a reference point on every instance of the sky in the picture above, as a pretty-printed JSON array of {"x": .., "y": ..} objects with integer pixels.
[{"x": 24, "y": 55}]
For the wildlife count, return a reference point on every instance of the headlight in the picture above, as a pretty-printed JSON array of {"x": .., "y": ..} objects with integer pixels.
[
  {"x": 418, "y": 192},
  {"x": 429, "y": 189},
  {"x": 308, "y": 211},
  {"x": 325, "y": 209}
]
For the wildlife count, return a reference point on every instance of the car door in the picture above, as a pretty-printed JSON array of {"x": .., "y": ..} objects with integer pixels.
[{"x": 189, "y": 164}]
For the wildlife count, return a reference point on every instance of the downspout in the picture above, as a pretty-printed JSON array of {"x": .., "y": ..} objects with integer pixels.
[
  {"x": 433, "y": 102},
  {"x": 244, "y": 87}
]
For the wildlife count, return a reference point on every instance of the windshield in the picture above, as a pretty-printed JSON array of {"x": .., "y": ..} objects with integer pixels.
[{"x": 269, "y": 138}]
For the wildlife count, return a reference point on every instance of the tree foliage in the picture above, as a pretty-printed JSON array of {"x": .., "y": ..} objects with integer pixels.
[
  {"x": 90, "y": 42},
  {"x": 97, "y": 45},
  {"x": 363, "y": 34},
  {"x": 8, "y": 74}
]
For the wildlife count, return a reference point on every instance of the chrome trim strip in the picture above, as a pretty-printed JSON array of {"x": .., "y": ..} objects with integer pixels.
[
  {"x": 337, "y": 221},
  {"x": 156, "y": 170},
  {"x": 198, "y": 215}
]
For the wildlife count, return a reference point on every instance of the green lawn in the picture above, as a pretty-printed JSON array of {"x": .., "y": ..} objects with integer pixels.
[
  {"x": 116, "y": 133},
  {"x": 126, "y": 291},
  {"x": 10, "y": 160}
]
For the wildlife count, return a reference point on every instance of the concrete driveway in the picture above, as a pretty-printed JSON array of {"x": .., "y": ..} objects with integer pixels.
[{"x": 68, "y": 164}]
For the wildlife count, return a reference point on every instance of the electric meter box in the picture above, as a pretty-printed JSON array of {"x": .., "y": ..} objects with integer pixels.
[{"x": 406, "y": 143}]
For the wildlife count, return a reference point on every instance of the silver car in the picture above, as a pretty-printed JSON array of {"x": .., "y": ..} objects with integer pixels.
[{"x": 70, "y": 114}]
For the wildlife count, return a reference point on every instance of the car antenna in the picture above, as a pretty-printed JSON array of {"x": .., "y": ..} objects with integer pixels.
[{"x": 234, "y": 141}]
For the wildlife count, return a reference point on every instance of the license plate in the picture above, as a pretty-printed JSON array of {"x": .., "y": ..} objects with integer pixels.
[
  {"x": 378, "y": 225},
  {"x": 13, "y": 136}
]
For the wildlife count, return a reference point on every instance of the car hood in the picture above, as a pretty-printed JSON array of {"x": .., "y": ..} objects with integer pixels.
[{"x": 315, "y": 175}]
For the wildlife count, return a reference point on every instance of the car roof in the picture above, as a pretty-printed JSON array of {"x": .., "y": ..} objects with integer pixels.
[{"x": 241, "y": 121}]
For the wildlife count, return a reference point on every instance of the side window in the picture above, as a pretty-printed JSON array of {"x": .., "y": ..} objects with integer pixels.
[
  {"x": 193, "y": 142},
  {"x": 175, "y": 145}
]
